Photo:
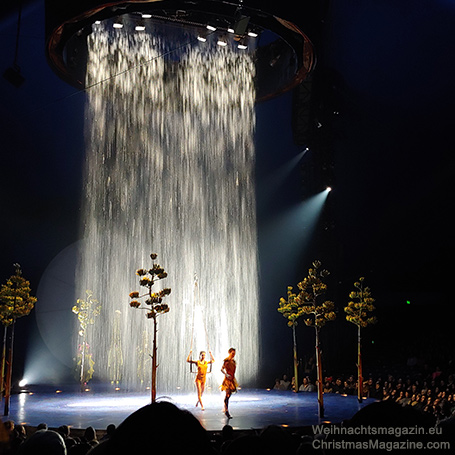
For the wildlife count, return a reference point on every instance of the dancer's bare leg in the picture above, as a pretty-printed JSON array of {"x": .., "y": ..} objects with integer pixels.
[
  {"x": 200, "y": 391},
  {"x": 226, "y": 404}
]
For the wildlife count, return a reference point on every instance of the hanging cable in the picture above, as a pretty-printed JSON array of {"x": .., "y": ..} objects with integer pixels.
[
  {"x": 192, "y": 320},
  {"x": 197, "y": 298}
]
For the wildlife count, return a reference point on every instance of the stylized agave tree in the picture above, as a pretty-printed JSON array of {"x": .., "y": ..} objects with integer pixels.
[
  {"x": 291, "y": 310},
  {"x": 311, "y": 290},
  {"x": 86, "y": 310},
  {"x": 15, "y": 302},
  {"x": 358, "y": 312},
  {"x": 154, "y": 306}
]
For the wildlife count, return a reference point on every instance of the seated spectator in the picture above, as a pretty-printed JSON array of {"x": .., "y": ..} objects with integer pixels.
[
  {"x": 160, "y": 424},
  {"x": 285, "y": 384},
  {"x": 85, "y": 443},
  {"x": 18, "y": 436},
  {"x": 421, "y": 402},
  {"x": 90, "y": 436},
  {"x": 64, "y": 431},
  {"x": 6, "y": 436},
  {"x": 403, "y": 398},
  {"x": 377, "y": 393},
  {"x": 406, "y": 400},
  {"x": 306, "y": 386},
  {"x": 351, "y": 381},
  {"x": 327, "y": 387},
  {"x": 277, "y": 385},
  {"x": 394, "y": 394},
  {"x": 9, "y": 427},
  {"x": 43, "y": 442},
  {"x": 337, "y": 387},
  {"x": 368, "y": 387},
  {"x": 227, "y": 436},
  {"x": 350, "y": 386},
  {"x": 109, "y": 432},
  {"x": 387, "y": 387}
]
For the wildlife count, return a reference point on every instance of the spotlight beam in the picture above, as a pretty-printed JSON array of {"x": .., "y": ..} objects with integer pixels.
[{"x": 290, "y": 235}]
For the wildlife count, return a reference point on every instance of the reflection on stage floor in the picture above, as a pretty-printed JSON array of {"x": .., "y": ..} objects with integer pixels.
[{"x": 250, "y": 408}]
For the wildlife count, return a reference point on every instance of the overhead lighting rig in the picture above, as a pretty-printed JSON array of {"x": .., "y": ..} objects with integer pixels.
[{"x": 233, "y": 23}]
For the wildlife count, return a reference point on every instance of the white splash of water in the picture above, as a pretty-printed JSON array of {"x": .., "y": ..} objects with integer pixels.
[{"x": 170, "y": 169}]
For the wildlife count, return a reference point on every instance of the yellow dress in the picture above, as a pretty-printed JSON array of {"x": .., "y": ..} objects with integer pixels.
[{"x": 201, "y": 371}]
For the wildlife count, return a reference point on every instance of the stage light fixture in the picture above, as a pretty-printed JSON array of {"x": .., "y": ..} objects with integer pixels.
[
  {"x": 140, "y": 27},
  {"x": 222, "y": 42},
  {"x": 252, "y": 34},
  {"x": 202, "y": 36},
  {"x": 146, "y": 16},
  {"x": 117, "y": 23},
  {"x": 23, "y": 382},
  {"x": 242, "y": 44},
  {"x": 212, "y": 28},
  {"x": 328, "y": 189}
]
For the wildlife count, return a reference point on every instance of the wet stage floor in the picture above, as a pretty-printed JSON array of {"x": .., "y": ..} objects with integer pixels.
[{"x": 250, "y": 408}]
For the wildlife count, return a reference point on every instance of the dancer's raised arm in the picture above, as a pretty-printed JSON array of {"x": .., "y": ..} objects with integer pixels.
[
  {"x": 211, "y": 358},
  {"x": 189, "y": 359}
]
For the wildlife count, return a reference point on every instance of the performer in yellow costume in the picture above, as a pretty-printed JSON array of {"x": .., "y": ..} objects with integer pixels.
[
  {"x": 229, "y": 384},
  {"x": 201, "y": 374}
]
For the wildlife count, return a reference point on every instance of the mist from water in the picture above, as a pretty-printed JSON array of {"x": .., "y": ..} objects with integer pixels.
[{"x": 169, "y": 169}]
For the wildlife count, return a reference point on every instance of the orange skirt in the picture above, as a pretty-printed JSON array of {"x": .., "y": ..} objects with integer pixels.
[{"x": 229, "y": 385}]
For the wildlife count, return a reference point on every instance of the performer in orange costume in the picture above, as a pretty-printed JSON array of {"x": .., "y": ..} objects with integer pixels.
[
  {"x": 201, "y": 374},
  {"x": 229, "y": 384}
]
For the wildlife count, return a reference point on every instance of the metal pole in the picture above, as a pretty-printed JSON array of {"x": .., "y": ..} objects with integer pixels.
[
  {"x": 2, "y": 372},
  {"x": 154, "y": 364},
  {"x": 296, "y": 362},
  {"x": 9, "y": 372},
  {"x": 359, "y": 367},
  {"x": 319, "y": 373}
]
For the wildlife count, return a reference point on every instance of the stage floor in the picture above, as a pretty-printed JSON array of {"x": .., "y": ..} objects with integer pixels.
[{"x": 250, "y": 408}]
